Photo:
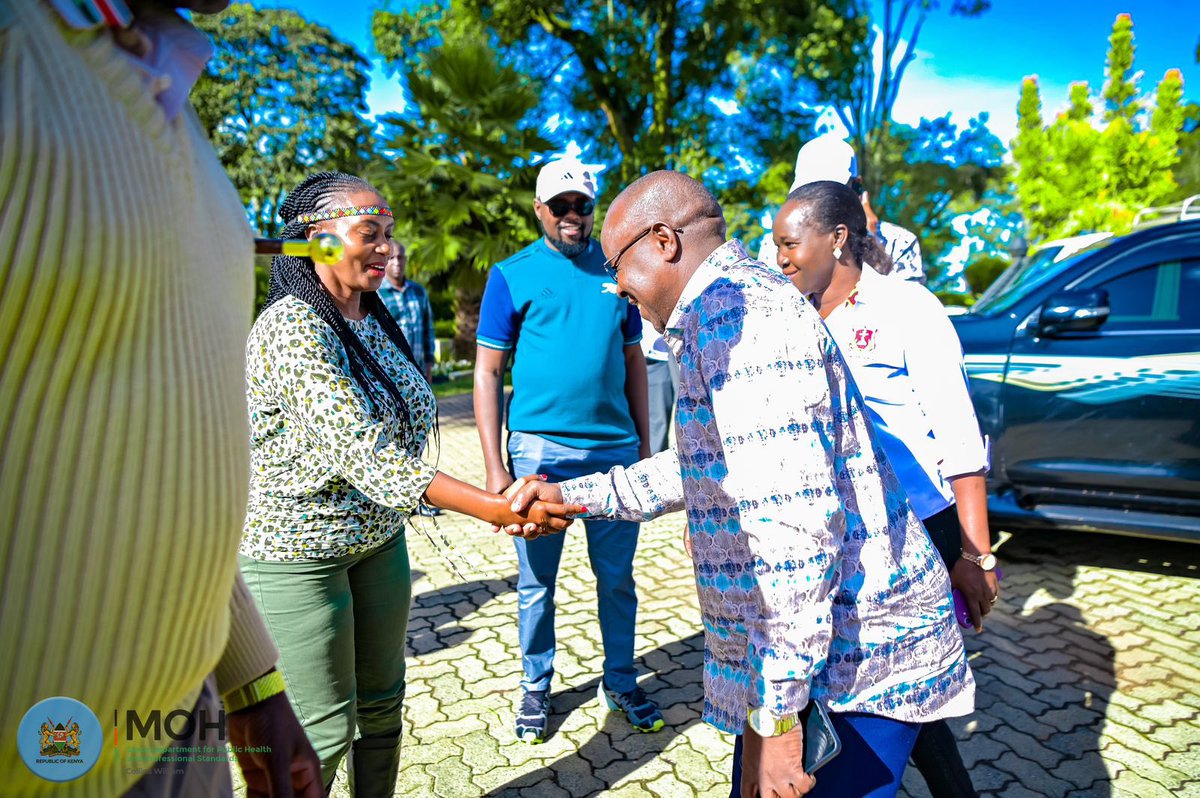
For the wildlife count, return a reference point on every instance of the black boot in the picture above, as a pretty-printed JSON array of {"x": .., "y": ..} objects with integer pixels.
[{"x": 372, "y": 766}]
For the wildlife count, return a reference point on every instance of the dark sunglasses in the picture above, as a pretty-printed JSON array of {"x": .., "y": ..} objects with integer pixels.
[{"x": 559, "y": 206}]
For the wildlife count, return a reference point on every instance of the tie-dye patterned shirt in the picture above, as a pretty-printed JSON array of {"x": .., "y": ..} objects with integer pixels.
[{"x": 815, "y": 577}]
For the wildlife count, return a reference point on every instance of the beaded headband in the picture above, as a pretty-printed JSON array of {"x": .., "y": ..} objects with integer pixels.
[{"x": 341, "y": 213}]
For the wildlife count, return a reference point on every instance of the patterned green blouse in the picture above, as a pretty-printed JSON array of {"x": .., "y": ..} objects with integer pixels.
[{"x": 328, "y": 477}]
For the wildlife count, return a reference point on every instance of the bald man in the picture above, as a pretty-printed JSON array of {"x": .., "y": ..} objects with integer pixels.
[{"x": 817, "y": 582}]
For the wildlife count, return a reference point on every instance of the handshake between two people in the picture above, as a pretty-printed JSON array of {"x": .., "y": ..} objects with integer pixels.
[{"x": 540, "y": 506}]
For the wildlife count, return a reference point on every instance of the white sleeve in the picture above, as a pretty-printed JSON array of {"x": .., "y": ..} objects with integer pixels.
[
  {"x": 939, "y": 377},
  {"x": 642, "y": 492},
  {"x": 768, "y": 253}
]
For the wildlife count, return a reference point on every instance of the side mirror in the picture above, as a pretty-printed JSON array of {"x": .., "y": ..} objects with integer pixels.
[{"x": 1073, "y": 311}]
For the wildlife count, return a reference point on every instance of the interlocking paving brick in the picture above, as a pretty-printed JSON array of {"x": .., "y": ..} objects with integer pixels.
[
  {"x": 1071, "y": 717},
  {"x": 982, "y": 751},
  {"x": 1169, "y": 712},
  {"x": 1026, "y": 747},
  {"x": 1031, "y": 775},
  {"x": 1088, "y": 670},
  {"x": 1147, "y": 766},
  {"x": 1014, "y": 790},
  {"x": 1180, "y": 737},
  {"x": 1131, "y": 785},
  {"x": 1083, "y": 770},
  {"x": 989, "y": 780}
]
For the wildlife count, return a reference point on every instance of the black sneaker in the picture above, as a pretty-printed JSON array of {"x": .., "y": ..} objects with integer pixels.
[{"x": 532, "y": 716}]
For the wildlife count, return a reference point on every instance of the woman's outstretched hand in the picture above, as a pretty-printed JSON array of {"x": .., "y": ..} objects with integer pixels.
[{"x": 538, "y": 507}]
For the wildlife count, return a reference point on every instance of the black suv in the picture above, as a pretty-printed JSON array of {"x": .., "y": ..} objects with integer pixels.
[{"x": 1086, "y": 376}]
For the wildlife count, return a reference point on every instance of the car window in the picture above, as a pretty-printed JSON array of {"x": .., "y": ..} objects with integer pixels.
[
  {"x": 1154, "y": 297},
  {"x": 1025, "y": 275}
]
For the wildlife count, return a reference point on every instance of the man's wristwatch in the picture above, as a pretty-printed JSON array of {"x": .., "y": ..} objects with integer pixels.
[
  {"x": 765, "y": 724},
  {"x": 985, "y": 561}
]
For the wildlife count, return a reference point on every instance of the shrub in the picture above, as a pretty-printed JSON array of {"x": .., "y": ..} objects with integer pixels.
[{"x": 982, "y": 272}]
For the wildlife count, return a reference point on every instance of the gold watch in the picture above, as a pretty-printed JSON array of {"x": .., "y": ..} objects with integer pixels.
[
  {"x": 765, "y": 724},
  {"x": 985, "y": 561}
]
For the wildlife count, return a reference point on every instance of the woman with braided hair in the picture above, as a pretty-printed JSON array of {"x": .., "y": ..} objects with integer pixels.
[{"x": 339, "y": 418}]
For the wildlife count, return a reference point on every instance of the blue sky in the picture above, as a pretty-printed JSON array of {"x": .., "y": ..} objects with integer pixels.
[
  {"x": 972, "y": 65},
  {"x": 963, "y": 66}
]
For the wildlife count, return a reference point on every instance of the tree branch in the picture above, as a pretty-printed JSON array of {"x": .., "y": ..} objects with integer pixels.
[{"x": 909, "y": 56}]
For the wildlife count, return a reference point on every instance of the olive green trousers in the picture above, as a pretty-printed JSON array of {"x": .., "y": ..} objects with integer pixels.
[{"x": 341, "y": 626}]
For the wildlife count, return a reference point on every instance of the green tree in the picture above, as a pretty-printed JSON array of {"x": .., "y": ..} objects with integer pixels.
[
  {"x": 1075, "y": 176},
  {"x": 1031, "y": 150},
  {"x": 1188, "y": 172},
  {"x": 649, "y": 68},
  {"x": 1120, "y": 87},
  {"x": 982, "y": 271},
  {"x": 458, "y": 169},
  {"x": 281, "y": 97},
  {"x": 1077, "y": 148},
  {"x": 936, "y": 172},
  {"x": 1166, "y": 128}
]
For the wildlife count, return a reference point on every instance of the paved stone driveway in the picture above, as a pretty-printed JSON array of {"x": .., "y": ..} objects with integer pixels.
[{"x": 1089, "y": 671}]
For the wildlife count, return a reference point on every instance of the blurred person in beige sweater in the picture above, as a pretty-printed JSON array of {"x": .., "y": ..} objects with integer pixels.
[{"x": 128, "y": 287}]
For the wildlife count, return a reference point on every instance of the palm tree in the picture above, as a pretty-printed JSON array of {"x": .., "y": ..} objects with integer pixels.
[{"x": 458, "y": 170}]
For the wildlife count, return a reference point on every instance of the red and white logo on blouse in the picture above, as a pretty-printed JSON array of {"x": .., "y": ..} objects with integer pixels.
[{"x": 864, "y": 339}]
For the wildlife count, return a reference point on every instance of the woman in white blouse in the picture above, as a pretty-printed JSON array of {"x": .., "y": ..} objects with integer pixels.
[{"x": 907, "y": 362}]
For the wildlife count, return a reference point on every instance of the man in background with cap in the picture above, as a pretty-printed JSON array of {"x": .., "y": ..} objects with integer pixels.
[
  {"x": 578, "y": 406},
  {"x": 828, "y": 157}
]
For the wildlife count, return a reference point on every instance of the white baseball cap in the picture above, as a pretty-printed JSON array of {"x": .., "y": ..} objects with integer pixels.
[
  {"x": 824, "y": 158},
  {"x": 561, "y": 176}
]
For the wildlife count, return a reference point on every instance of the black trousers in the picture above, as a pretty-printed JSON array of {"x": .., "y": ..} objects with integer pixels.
[{"x": 936, "y": 751}]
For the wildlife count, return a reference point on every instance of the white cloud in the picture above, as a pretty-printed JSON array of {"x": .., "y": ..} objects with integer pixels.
[{"x": 385, "y": 94}]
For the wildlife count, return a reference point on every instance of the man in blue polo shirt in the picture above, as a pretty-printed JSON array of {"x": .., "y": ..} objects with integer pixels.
[{"x": 578, "y": 406}]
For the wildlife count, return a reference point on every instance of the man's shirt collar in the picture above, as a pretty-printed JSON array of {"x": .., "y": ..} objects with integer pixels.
[{"x": 731, "y": 252}]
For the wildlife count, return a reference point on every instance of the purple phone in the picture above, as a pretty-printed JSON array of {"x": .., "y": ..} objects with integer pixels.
[{"x": 960, "y": 604}]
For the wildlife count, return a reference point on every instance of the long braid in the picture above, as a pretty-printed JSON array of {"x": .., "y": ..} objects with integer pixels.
[
  {"x": 376, "y": 308},
  {"x": 291, "y": 276}
]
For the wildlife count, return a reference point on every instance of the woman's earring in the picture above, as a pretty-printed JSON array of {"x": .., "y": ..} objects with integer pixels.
[{"x": 837, "y": 253}]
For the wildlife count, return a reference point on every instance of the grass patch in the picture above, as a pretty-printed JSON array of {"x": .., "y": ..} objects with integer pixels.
[
  {"x": 461, "y": 385},
  {"x": 454, "y": 387}
]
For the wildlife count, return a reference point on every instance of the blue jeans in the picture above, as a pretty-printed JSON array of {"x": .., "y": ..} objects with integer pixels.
[
  {"x": 874, "y": 752},
  {"x": 611, "y": 546}
]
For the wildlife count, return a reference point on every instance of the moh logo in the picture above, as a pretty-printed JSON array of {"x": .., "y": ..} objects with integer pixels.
[{"x": 59, "y": 739}]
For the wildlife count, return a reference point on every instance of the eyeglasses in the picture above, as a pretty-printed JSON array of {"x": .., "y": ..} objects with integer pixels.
[
  {"x": 559, "y": 206},
  {"x": 612, "y": 265}
]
